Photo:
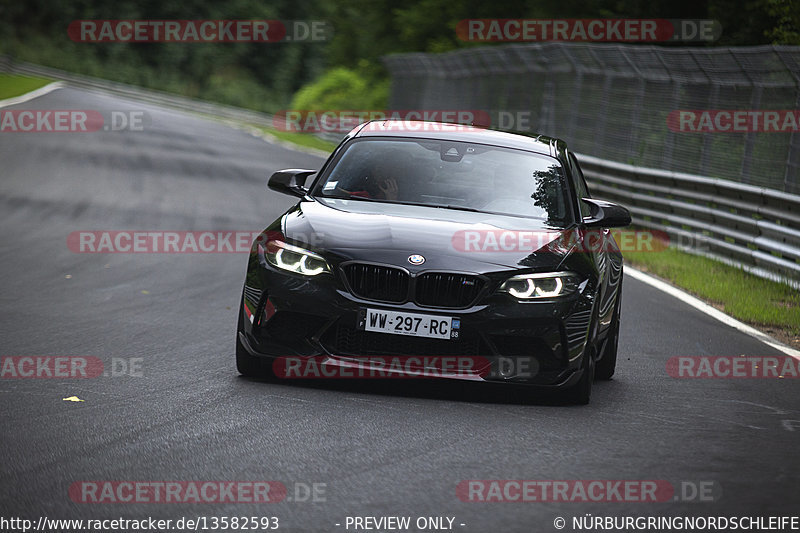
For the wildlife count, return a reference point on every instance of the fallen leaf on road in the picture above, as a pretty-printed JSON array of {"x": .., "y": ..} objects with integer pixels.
[{"x": 73, "y": 399}]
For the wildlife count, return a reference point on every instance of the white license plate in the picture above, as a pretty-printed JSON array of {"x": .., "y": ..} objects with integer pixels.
[{"x": 414, "y": 324}]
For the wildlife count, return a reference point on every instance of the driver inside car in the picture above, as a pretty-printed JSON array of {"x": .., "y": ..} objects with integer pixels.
[{"x": 380, "y": 183}]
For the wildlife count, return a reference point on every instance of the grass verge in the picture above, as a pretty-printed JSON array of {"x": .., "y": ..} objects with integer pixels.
[
  {"x": 768, "y": 305},
  {"x": 307, "y": 140},
  {"x": 12, "y": 85}
]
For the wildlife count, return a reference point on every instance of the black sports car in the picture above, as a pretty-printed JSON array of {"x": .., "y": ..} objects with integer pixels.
[{"x": 433, "y": 244}]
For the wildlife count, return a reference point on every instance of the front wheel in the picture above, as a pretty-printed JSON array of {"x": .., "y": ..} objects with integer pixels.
[{"x": 607, "y": 364}]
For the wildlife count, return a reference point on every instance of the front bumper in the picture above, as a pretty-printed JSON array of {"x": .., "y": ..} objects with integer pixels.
[{"x": 539, "y": 343}]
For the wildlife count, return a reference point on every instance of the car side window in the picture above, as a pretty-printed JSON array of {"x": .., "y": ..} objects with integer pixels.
[{"x": 581, "y": 188}]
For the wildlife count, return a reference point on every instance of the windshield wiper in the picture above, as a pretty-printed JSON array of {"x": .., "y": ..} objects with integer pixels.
[
  {"x": 443, "y": 206},
  {"x": 349, "y": 197},
  {"x": 458, "y": 207},
  {"x": 420, "y": 204}
]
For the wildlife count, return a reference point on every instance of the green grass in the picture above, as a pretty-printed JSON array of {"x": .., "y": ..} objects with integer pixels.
[
  {"x": 744, "y": 296},
  {"x": 12, "y": 85},
  {"x": 303, "y": 139}
]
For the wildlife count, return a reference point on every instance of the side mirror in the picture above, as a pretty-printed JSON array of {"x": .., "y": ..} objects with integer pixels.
[
  {"x": 606, "y": 215},
  {"x": 290, "y": 181}
]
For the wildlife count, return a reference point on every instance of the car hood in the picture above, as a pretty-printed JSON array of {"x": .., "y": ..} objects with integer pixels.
[{"x": 448, "y": 239}]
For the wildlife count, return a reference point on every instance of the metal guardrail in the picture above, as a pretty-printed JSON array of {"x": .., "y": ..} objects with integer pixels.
[
  {"x": 752, "y": 227},
  {"x": 755, "y": 228}
]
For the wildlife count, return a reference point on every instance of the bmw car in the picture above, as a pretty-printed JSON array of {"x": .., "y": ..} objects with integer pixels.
[{"x": 429, "y": 242}]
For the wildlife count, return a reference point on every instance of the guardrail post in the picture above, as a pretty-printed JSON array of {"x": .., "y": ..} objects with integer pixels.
[
  {"x": 705, "y": 152},
  {"x": 750, "y": 138},
  {"x": 793, "y": 159}
]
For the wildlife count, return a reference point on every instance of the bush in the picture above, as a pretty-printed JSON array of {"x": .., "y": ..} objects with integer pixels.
[{"x": 342, "y": 89}]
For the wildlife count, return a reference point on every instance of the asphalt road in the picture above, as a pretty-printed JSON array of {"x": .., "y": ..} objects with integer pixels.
[{"x": 380, "y": 449}]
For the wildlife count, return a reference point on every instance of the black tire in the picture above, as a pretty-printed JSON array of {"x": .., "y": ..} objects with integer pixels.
[
  {"x": 581, "y": 392},
  {"x": 607, "y": 364},
  {"x": 247, "y": 364}
]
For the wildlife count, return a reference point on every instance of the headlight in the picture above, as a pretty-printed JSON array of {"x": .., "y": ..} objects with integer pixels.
[
  {"x": 294, "y": 259},
  {"x": 544, "y": 285}
]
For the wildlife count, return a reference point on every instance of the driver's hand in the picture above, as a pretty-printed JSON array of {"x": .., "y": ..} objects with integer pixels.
[{"x": 389, "y": 188}]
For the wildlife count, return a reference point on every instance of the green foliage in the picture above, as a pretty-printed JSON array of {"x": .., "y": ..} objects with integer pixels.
[
  {"x": 261, "y": 76},
  {"x": 786, "y": 14},
  {"x": 266, "y": 76},
  {"x": 343, "y": 89}
]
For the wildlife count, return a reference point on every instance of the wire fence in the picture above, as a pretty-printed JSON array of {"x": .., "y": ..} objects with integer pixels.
[{"x": 729, "y": 113}]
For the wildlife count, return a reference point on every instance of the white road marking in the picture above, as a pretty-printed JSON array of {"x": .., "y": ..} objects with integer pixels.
[
  {"x": 789, "y": 425},
  {"x": 711, "y": 311},
  {"x": 775, "y": 409},
  {"x": 41, "y": 91}
]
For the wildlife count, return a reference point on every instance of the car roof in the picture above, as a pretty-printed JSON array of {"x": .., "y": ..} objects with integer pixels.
[{"x": 459, "y": 132}]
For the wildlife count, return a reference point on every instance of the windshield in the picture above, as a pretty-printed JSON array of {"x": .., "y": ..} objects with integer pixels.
[{"x": 452, "y": 175}]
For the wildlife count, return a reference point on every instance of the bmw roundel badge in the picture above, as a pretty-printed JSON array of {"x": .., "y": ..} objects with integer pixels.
[{"x": 416, "y": 259}]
